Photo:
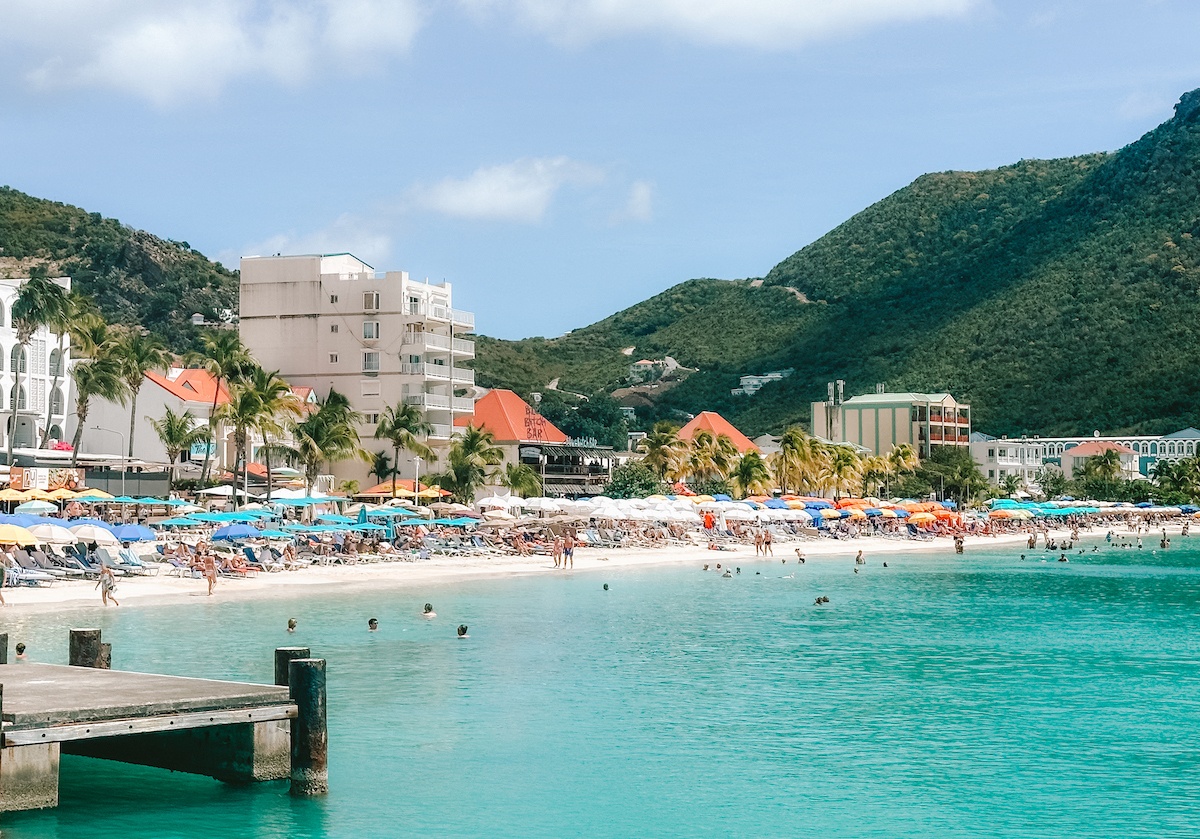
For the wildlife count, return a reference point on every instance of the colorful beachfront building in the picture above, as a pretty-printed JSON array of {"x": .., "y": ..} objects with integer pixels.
[
  {"x": 1025, "y": 456},
  {"x": 332, "y": 322},
  {"x": 717, "y": 426},
  {"x": 880, "y": 420},
  {"x": 567, "y": 468}
]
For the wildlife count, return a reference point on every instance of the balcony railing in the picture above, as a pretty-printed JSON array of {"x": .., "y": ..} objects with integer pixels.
[
  {"x": 441, "y": 432},
  {"x": 444, "y": 343},
  {"x": 464, "y": 404},
  {"x": 461, "y": 318},
  {"x": 428, "y": 400},
  {"x": 442, "y": 372}
]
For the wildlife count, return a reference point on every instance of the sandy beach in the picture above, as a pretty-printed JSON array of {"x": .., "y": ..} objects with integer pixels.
[{"x": 159, "y": 589}]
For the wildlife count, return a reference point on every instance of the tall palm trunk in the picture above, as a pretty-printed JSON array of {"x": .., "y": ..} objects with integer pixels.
[
  {"x": 396, "y": 470},
  {"x": 53, "y": 387},
  {"x": 132, "y": 417},
  {"x": 16, "y": 400},
  {"x": 212, "y": 436},
  {"x": 267, "y": 463},
  {"x": 81, "y": 412}
]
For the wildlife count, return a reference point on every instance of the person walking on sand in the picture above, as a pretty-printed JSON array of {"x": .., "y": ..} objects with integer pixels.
[
  {"x": 558, "y": 551},
  {"x": 210, "y": 572},
  {"x": 758, "y": 542},
  {"x": 107, "y": 585},
  {"x": 766, "y": 543},
  {"x": 569, "y": 550}
]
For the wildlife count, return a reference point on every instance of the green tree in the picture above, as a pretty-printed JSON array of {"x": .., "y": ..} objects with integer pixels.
[
  {"x": 472, "y": 451},
  {"x": 39, "y": 302},
  {"x": 382, "y": 467},
  {"x": 842, "y": 470},
  {"x": 1106, "y": 465},
  {"x": 176, "y": 432},
  {"x": 750, "y": 475},
  {"x": 634, "y": 480},
  {"x": 59, "y": 321},
  {"x": 243, "y": 412},
  {"x": 226, "y": 359},
  {"x": 800, "y": 461},
  {"x": 519, "y": 478},
  {"x": 94, "y": 377},
  {"x": 710, "y": 456},
  {"x": 664, "y": 451},
  {"x": 138, "y": 353},
  {"x": 1052, "y": 482},
  {"x": 277, "y": 404},
  {"x": 327, "y": 435},
  {"x": 403, "y": 425}
]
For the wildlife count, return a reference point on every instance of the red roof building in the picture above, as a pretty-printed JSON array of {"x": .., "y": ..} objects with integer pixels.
[
  {"x": 1093, "y": 448},
  {"x": 717, "y": 425},
  {"x": 511, "y": 420},
  {"x": 191, "y": 384}
]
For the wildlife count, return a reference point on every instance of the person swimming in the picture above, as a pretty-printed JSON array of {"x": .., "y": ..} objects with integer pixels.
[
  {"x": 727, "y": 575},
  {"x": 462, "y": 631},
  {"x": 21, "y": 652},
  {"x": 373, "y": 625},
  {"x": 291, "y": 624},
  {"x": 429, "y": 614}
]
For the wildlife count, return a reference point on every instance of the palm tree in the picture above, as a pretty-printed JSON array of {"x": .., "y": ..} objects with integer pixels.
[
  {"x": 276, "y": 402},
  {"x": 138, "y": 353},
  {"x": 100, "y": 377},
  {"x": 842, "y": 470},
  {"x": 39, "y": 302},
  {"x": 1106, "y": 465},
  {"x": 750, "y": 475},
  {"x": 800, "y": 461},
  {"x": 1011, "y": 484},
  {"x": 874, "y": 471},
  {"x": 381, "y": 467},
  {"x": 664, "y": 451},
  {"x": 472, "y": 451},
  {"x": 176, "y": 432},
  {"x": 243, "y": 411},
  {"x": 59, "y": 322},
  {"x": 326, "y": 435},
  {"x": 710, "y": 456},
  {"x": 402, "y": 425},
  {"x": 519, "y": 479},
  {"x": 225, "y": 358},
  {"x": 902, "y": 460}
]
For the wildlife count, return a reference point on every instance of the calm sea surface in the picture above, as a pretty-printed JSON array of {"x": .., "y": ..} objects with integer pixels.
[{"x": 942, "y": 696}]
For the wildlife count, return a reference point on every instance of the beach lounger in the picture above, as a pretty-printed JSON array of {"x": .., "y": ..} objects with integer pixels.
[
  {"x": 27, "y": 562},
  {"x": 47, "y": 564}
]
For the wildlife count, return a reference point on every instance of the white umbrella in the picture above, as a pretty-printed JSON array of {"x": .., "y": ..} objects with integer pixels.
[
  {"x": 547, "y": 505},
  {"x": 49, "y": 532},
  {"x": 498, "y": 515},
  {"x": 37, "y": 508},
  {"x": 227, "y": 491},
  {"x": 498, "y": 502},
  {"x": 93, "y": 533}
]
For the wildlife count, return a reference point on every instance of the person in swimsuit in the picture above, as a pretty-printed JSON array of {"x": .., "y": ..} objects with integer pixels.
[
  {"x": 210, "y": 571},
  {"x": 107, "y": 585},
  {"x": 429, "y": 614}
]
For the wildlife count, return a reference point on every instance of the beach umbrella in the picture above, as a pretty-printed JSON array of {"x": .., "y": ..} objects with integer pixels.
[
  {"x": 36, "y": 508},
  {"x": 830, "y": 513},
  {"x": 431, "y": 492},
  {"x": 135, "y": 533},
  {"x": 62, "y": 494},
  {"x": 922, "y": 518},
  {"x": 151, "y": 501},
  {"x": 12, "y": 534},
  {"x": 37, "y": 495},
  {"x": 92, "y": 494},
  {"x": 498, "y": 515},
  {"x": 94, "y": 533},
  {"x": 52, "y": 533},
  {"x": 368, "y": 526},
  {"x": 100, "y": 523},
  {"x": 856, "y": 513},
  {"x": 122, "y": 499},
  {"x": 237, "y": 531},
  {"x": 332, "y": 519},
  {"x": 277, "y": 534},
  {"x": 10, "y": 494},
  {"x": 178, "y": 522}
]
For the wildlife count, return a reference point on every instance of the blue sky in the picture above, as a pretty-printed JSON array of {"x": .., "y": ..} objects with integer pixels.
[{"x": 556, "y": 160}]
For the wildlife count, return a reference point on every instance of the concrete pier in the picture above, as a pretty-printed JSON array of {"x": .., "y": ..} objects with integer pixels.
[{"x": 230, "y": 731}]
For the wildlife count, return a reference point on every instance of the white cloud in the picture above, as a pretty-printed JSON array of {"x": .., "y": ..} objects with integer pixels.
[
  {"x": 758, "y": 23},
  {"x": 639, "y": 206},
  {"x": 521, "y": 191},
  {"x": 167, "y": 50}
]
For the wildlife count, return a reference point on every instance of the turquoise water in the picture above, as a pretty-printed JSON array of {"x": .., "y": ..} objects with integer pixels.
[{"x": 941, "y": 696}]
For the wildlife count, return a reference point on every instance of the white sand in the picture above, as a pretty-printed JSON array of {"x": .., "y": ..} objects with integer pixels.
[{"x": 163, "y": 589}]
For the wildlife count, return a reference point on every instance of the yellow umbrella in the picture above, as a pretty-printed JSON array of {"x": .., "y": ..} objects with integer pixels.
[
  {"x": 922, "y": 518},
  {"x": 36, "y": 495},
  {"x": 401, "y": 492},
  {"x": 857, "y": 513},
  {"x": 94, "y": 494},
  {"x": 11, "y": 494},
  {"x": 428, "y": 492},
  {"x": 830, "y": 513},
  {"x": 700, "y": 499},
  {"x": 62, "y": 494},
  {"x": 10, "y": 534}
]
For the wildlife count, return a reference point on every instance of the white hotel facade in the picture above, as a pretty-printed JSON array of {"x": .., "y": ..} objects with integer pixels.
[
  {"x": 332, "y": 322},
  {"x": 37, "y": 364}
]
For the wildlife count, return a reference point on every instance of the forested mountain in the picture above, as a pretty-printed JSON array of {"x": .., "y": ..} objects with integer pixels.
[
  {"x": 135, "y": 278},
  {"x": 1058, "y": 296}
]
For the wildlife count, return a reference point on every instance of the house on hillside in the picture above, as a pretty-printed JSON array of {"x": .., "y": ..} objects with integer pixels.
[
  {"x": 752, "y": 384},
  {"x": 568, "y": 468}
]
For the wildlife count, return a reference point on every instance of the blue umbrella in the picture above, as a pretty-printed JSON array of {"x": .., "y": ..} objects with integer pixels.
[
  {"x": 134, "y": 533},
  {"x": 775, "y": 504},
  {"x": 872, "y": 512},
  {"x": 720, "y": 496},
  {"x": 331, "y": 519},
  {"x": 111, "y": 528},
  {"x": 278, "y": 534},
  {"x": 149, "y": 500},
  {"x": 1143, "y": 504},
  {"x": 237, "y": 531},
  {"x": 368, "y": 526},
  {"x": 122, "y": 499},
  {"x": 362, "y": 514},
  {"x": 210, "y": 518},
  {"x": 179, "y": 522}
]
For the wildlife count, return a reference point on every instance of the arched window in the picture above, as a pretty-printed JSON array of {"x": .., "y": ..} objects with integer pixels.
[
  {"x": 17, "y": 356},
  {"x": 55, "y": 432},
  {"x": 1154, "y": 449},
  {"x": 1191, "y": 448},
  {"x": 12, "y": 394},
  {"x": 56, "y": 362},
  {"x": 2, "y": 314},
  {"x": 57, "y": 407},
  {"x": 1170, "y": 448}
]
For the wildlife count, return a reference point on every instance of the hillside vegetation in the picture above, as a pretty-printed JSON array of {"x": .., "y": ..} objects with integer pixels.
[
  {"x": 1057, "y": 296},
  {"x": 135, "y": 278}
]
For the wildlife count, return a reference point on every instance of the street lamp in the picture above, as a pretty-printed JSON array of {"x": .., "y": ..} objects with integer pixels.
[{"x": 123, "y": 458}]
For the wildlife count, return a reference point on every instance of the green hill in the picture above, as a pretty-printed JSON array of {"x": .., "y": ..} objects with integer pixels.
[
  {"x": 1057, "y": 296},
  {"x": 135, "y": 278}
]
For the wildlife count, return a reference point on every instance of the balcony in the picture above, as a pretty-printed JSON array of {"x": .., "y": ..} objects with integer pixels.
[
  {"x": 463, "y": 404},
  {"x": 439, "y": 372},
  {"x": 428, "y": 401},
  {"x": 440, "y": 432},
  {"x": 455, "y": 316},
  {"x": 432, "y": 342}
]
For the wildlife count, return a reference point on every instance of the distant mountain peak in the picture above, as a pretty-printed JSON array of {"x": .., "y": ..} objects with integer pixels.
[{"x": 1188, "y": 106}]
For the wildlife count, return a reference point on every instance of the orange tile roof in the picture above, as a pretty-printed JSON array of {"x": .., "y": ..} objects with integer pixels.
[
  {"x": 191, "y": 385},
  {"x": 717, "y": 425},
  {"x": 1095, "y": 447},
  {"x": 510, "y": 420}
]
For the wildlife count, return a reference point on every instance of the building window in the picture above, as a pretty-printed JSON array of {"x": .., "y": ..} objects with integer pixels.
[
  {"x": 991, "y": 454},
  {"x": 370, "y": 301},
  {"x": 414, "y": 305},
  {"x": 370, "y": 388},
  {"x": 333, "y": 327},
  {"x": 56, "y": 357},
  {"x": 333, "y": 358},
  {"x": 18, "y": 356},
  {"x": 370, "y": 330},
  {"x": 370, "y": 363},
  {"x": 56, "y": 402},
  {"x": 372, "y": 417},
  {"x": 12, "y": 395},
  {"x": 991, "y": 473},
  {"x": 333, "y": 298}
]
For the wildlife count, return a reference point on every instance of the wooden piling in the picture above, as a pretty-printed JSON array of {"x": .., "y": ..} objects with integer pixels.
[
  {"x": 283, "y": 657},
  {"x": 86, "y": 650},
  {"x": 310, "y": 737},
  {"x": 3, "y": 648}
]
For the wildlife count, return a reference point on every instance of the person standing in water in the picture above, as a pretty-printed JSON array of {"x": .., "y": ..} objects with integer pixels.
[
  {"x": 107, "y": 585},
  {"x": 429, "y": 614},
  {"x": 210, "y": 572}
]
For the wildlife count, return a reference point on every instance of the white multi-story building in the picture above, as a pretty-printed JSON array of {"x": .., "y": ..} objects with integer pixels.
[
  {"x": 38, "y": 363},
  {"x": 331, "y": 322}
]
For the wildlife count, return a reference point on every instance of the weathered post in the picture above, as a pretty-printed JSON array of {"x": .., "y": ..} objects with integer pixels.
[
  {"x": 2, "y": 716},
  {"x": 86, "y": 650},
  {"x": 3, "y": 648},
  {"x": 284, "y": 656},
  {"x": 310, "y": 737}
]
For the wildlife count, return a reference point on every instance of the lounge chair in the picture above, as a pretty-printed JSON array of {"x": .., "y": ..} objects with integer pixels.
[
  {"x": 26, "y": 561},
  {"x": 47, "y": 564}
]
